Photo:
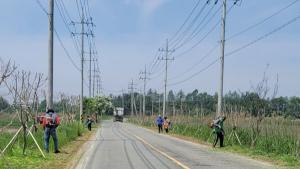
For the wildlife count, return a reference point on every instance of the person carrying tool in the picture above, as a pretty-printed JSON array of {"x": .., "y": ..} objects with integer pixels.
[
  {"x": 159, "y": 123},
  {"x": 50, "y": 122},
  {"x": 166, "y": 124},
  {"x": 218, "y": 129},
  {"x": 89, "y": 122}
]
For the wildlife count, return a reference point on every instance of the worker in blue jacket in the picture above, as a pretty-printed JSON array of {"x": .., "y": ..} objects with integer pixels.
[{"x": 159, "y": 123}]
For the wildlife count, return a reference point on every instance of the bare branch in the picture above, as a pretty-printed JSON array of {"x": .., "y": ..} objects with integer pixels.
[{"x": 6, "y": 70}]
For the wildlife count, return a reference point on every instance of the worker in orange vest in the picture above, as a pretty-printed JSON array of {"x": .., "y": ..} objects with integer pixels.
[
  {"x": 166, "y": 124},
  {"x": 50, "y": 121}
]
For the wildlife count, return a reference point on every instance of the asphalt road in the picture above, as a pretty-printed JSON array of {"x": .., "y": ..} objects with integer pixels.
[{"x": 126, "y": 146}]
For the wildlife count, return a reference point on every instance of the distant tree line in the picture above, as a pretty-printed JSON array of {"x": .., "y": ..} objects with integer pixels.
[
  {"x": 99, "y": 105},
  {"x": 202, "y": 103}
]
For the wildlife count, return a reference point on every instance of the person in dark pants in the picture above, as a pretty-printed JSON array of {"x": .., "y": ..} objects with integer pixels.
[
  {"x": 166, "y": 124},
  {"x": 50, "y": 122},
  {"x": 159, "y": 123},
  {"x": 89, "y": 122},
  {"x": 218, "y": 129}
]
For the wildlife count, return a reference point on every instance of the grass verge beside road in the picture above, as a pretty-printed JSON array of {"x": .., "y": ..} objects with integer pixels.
[
  {"x": 277, "y": 149},
  {"x": 71, "y": 137}
]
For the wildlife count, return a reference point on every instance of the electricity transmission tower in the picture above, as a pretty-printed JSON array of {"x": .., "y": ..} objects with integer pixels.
[
  {"x": 167, "y": 59},
  {"x": 144, "y": 77}
]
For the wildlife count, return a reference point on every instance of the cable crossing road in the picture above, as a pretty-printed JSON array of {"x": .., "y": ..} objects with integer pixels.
[{"x": 126, "y": 146}]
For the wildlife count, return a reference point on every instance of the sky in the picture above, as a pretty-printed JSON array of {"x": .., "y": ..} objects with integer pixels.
[{"x": 128, "y": 34}]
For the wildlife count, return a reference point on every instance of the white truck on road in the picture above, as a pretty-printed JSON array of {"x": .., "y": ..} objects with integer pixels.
[{"x": 118, "y": 114}]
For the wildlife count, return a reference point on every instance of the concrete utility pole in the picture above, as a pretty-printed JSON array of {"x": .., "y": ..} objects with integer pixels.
[
  {"x": 159, "y": 103},
  {"x": 220, "y": 93},
  {"x": 82, "y": 33},
  {"x": 82, "y": 63},
  {"x": 181, "y": 110},
  {"x": 123, "y": 98},
  {"x": 97, "y": 85},
  {"x": 131, "y": 89},
  {"x": 94, "y": 77},
  {"x": 50, "y": 55},
  {"x": 152, "y": 106},
  {"x": 141, "y": 102},
  {"x": 90, "y": 74},
  {"x": 100, "y": 85},
  {"x": 167, "y": 59},
  {"x": 90, "y": 70},
  {"x": 144, "y": 77}
]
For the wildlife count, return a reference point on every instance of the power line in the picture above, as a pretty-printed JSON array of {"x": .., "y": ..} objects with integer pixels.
[
  {"x": 66, "y": 51},
  {"x": 155, "y": 61},
  {"x": 167, "y": 59},
  {"x": 78, "y": 9},
  {"x": 197, "y": 63},
  {"x": 186, "y": 20},
  {"x": 180, "y": 37},
  {"x": 213, "y": 28},
  {"x": 65, "y": 9},
  {"x": 158, "y": 73},
  {"x": 264, "y": 36},
  {"x": 88, "y": 8},
  {"x": 62, "y": 10},
  {"x": 239, "y": 49},
  {"x": 144, "y": 76},
  {"x": 58, "y": 37},
  {"x": 195, "y": 74},
  {"x": 42, "y": 7},
  {"x": 196, "y": 29},
  {"x": 262, "y": 21},
  {"x": 156, "y": 68}
]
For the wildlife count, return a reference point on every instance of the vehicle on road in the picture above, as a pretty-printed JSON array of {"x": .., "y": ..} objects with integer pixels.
[{"x": 118, "y": 114}]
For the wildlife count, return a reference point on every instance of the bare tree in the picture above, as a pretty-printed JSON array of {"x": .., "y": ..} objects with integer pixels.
[
  {"x": 69, "y": 105},
  {"x": 6, "y": 70},
  {"x": 260, "y": 106},
  {"x": 24, "y": 88}
]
